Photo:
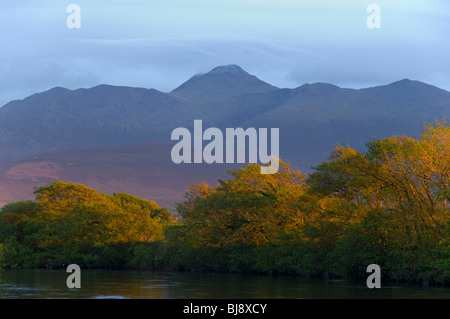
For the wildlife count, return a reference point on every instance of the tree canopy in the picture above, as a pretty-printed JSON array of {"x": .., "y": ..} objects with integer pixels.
[
  {"x": 389, "y": 205},
  {"x": 72, "y": 215}
]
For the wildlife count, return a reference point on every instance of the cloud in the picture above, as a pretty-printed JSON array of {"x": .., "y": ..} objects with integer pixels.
[{"x": 160, "y": 44}]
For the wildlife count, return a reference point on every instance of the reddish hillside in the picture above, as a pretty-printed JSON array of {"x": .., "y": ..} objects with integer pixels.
[{"x": 143, "y": 170}]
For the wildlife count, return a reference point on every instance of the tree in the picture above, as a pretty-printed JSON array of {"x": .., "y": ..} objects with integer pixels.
[
  {"x": 73, "y": 214},
  {"x": 251, "y": 208},
  {"x": 16, "y": 218},
  {"x": 130, "y": 203},
  {"x": 396, "y": 194}
]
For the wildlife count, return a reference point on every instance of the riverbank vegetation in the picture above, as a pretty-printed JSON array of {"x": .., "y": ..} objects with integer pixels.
[{"x": 389, "y": 206}]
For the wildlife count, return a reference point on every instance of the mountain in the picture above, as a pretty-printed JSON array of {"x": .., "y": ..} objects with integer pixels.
[
  {"x": 116, "y": 134},
  {"x": 61, "y": 119},
  {"x": 220, "y": 82},
  {"x": 228, "y": 95},
  {"x": 317, "y": 117},
  {"x": 311, "y": 118}
]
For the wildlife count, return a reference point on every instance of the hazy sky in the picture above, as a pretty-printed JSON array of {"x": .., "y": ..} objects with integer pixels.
[{"x": 161, "y": 43}]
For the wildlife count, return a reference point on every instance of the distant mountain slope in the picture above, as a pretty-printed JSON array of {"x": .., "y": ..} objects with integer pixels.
[
  {"x": 61, "y": 119},
  {"x": 318, "y": 116},
  {"x": 312, "y": 118},
  {"x": 144, "y": 170}
]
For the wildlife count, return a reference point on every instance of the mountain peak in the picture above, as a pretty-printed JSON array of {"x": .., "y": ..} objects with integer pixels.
[
  {"x": 224, "y": 80},
  {"x": 405, "y": 82},
  {"x": 222, "y": 70},
  {"x": 227, "y": 69},
  {"x": 408, "y": 86}
]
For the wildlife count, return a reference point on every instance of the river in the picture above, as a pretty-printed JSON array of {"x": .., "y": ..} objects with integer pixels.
[{"x": 98, "y": 284}]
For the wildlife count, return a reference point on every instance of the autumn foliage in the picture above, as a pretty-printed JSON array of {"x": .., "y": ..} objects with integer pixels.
[{"x": 389, "y": 206}]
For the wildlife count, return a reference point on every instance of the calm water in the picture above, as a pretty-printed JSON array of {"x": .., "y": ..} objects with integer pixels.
[{"x": 179, "y": 285}]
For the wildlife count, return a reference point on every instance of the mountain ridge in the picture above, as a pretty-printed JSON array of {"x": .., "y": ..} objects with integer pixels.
[
  {"x": 107, "y": 115},
  {"x": 312, "y": 119}
]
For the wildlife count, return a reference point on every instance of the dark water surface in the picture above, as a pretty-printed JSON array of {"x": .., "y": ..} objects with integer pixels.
[{"x": 97, "y": 284}]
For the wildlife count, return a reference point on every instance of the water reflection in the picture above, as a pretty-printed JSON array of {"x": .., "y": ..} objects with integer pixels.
[{"x": 177, "y": 285}]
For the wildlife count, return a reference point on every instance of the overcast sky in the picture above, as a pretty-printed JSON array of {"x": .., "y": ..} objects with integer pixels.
[{"x": 162, "y": 43}]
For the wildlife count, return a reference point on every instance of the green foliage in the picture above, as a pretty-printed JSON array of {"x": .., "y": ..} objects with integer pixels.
[
  {"x": 14, "y": 254},
  {"x": 441, "y": 263},
  {"x": 70, "y": 222},
  {"x": 15, "y": 219},
  {"x": 356, "y": 250}
]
